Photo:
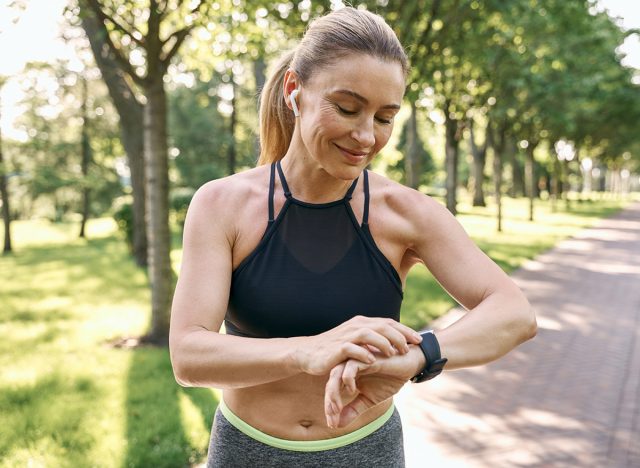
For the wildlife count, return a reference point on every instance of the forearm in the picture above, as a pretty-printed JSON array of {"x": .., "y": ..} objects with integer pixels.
[
  {"x": 497, "y": 325},
  {"x": 204, "y": 358}
]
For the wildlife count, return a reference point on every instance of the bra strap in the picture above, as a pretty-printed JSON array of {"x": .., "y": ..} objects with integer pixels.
[
  {"x": 283, "y": 181},
  {"x": 365, "y": 216},
  {"x": 272, "y": 179},
  {"x": 349, "y": 193}
]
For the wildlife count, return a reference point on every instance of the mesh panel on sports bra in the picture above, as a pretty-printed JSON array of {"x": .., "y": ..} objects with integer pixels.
[
  {"x": 314, "y": 268},
  {"x": 318, "y": 240}
]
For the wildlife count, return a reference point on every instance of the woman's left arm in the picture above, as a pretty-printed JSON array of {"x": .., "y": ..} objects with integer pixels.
[{"x": 499, "y": 317}]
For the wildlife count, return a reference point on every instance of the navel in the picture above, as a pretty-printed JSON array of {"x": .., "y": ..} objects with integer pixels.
[{"x": 306, "y": 423}]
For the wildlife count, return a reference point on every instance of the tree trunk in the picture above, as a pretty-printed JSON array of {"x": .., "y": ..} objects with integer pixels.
[
  {"x": 517, "y": 177},
  {"x": 131, "y": 125},
  {"x": 86, "y": 158},
  {"x": 498, "y": 143},
  {"x": 157, "y": 190},
  {"x": 4, "y": 193},
  {"x": 259, "y": 68},
  {"x": 411, "y": 159},
  {"x": 451, "y": 159},
  {"x": 555, "y": 184},
  {"x": 231, "y": 156},
  {"x": 530, "y": 177},
  {"x": 479, "y": 160}
]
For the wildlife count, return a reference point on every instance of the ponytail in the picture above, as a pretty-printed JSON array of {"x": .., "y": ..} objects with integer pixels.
[{"x": 276, "y": 119}]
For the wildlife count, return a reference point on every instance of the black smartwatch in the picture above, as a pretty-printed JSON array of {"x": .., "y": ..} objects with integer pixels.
[{"x": 431, "y": 349}]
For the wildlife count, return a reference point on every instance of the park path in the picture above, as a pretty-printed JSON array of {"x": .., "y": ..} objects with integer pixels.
[{"x": 571, "y": 396}]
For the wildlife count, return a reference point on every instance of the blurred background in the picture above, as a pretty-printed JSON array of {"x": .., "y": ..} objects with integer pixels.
[{"x": 521, "y": 117}]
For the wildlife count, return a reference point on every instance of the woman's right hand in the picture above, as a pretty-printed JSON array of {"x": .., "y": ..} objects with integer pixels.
[{"x": 319, "y": 354}]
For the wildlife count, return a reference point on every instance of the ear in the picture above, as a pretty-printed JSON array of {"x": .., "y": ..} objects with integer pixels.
[{"x": 291, "y": 82}]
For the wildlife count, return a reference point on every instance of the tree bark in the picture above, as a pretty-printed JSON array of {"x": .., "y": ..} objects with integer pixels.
[
  {"x": 86, "y": 159},
  {"x": 479, "y": 160},
  {"x": 498, "y": 143},
  {"x": 131, "y": 125},
  {"x": 231, "y": 155},
  {"x": 411, "y": 159},
  {"x": 517, "y": 176},
  {"x": 4, "y": 192},
  {"x": 157, "y": 190},
  {"x": 451, "y": 159},
  {"x": 530, "y": 177},
  {"x": 259, "y": 73}
]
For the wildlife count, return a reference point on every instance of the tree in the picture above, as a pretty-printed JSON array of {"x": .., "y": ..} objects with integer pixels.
[
  {"x": 130, "y": 110},
  {"x": 4, "y": 193},
  {"x": 139, "y": 40}
]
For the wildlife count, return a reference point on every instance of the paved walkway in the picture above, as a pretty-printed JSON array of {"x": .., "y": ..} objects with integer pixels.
[{"x": 571, "y": 396}]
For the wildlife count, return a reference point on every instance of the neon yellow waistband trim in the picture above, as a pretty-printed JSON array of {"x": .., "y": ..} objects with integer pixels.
[{"x": 305, "y": 445}]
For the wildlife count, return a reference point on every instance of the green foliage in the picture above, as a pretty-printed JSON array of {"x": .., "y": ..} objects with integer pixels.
[
  {"x": 425, "y": 164},
  {"x": 179, "y": 201},
  {"x": 123, "y": 216}
]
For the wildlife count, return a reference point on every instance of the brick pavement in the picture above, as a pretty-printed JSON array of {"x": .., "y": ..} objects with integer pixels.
[{"x": 571, "y": 396}]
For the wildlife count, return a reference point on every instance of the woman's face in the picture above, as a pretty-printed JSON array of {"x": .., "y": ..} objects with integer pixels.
[{"x": 347, "y": 112}]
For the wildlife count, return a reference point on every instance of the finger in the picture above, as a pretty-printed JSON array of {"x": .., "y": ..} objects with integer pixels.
[
  {"x": 375, "y": 336},
  {"x": 406, "y": 334},
  {"x": 349, "y": 374},
  {"x": 396, "y": 341},
  {"x": 360, "y": 353},
  {"x": 332, "y": 394},
  {"x": 354, "y": 409}
]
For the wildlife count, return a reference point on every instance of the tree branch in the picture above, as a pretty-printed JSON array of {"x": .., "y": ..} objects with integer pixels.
[
  {"x": 180, "y": 36},
  {"x": 120, "y": 58}
]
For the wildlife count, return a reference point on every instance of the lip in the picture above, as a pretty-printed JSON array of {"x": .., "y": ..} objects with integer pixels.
[{"x": 353, "y": 156}]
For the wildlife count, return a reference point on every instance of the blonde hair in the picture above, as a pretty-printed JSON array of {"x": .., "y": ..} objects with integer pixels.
[{"x": 327, "y": 39}]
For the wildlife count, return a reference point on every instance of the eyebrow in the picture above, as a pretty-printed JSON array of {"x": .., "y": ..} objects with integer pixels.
[{"x": 362, "y": 99}]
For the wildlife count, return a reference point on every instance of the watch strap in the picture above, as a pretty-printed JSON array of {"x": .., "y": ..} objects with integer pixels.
[{"x": 434, "y": 361}]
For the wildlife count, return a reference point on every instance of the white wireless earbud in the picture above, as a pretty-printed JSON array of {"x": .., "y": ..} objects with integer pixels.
[{"x": 294, "y": 104}]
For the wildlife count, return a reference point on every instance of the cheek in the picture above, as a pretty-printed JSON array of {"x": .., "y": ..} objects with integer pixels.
[
  {"x": 327, "y": 124},
  {"x": 382, "y": 136}
]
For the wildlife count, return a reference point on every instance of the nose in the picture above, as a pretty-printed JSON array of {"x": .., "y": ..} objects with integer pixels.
[{"x": 363, "y": 133}]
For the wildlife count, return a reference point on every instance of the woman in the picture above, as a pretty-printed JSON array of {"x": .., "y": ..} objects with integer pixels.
[{"x": 305, "y": 256}]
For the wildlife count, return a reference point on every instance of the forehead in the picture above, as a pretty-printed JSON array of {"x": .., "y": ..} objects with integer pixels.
[{"x": 379, "y": 81}]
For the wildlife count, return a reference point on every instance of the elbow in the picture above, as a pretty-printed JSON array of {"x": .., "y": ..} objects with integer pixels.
[
  {"x": 177, "y": 365},
  {"x": 529, "y": 324}
]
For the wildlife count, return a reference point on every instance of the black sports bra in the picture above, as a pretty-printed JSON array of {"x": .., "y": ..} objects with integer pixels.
[{"x": 314, "y": 268}]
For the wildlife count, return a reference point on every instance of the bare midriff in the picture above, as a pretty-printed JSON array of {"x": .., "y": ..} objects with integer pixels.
[{"x": 292, "y": 409}]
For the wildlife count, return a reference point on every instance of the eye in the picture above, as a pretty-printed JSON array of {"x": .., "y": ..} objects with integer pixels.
[
  {"x": 346, "y": 111},
  {"x": 384, "y": 121}
]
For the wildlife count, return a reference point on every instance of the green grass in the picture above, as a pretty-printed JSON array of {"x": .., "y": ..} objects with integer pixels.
[{"x": 69, "y": 398}]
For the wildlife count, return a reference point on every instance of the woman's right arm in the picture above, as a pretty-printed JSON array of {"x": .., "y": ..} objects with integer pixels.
[{"x": 202, "y": 357}]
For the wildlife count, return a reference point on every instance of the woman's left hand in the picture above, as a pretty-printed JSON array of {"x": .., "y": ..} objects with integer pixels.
[{"x": 353, "y": 387}]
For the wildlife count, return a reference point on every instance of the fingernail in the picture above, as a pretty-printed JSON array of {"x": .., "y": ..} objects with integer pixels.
[{"x": 417, "y": 336}]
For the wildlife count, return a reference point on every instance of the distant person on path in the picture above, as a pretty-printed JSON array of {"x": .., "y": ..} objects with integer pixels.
[{"x": 305, "y": 257}]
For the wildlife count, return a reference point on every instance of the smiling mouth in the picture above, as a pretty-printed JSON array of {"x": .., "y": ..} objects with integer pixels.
[{"x": 354, "y": 154}]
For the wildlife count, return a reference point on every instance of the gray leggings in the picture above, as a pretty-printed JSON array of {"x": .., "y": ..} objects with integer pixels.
[{"x": 231, "y": 448}]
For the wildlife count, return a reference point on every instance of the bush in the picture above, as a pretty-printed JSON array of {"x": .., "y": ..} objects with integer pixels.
[
  {"x": 179, "y": 201},
  {"x": 123, "y": 215}
]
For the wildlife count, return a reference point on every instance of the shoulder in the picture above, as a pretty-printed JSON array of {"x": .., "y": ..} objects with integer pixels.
[
  {"x": 232, "y": 191},
  {"x": 217, "y": 202},
  {"x": 417, "y": 215}
]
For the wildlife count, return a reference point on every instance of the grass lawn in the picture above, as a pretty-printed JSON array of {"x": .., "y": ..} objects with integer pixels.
[{"x": 70, "y": 398}]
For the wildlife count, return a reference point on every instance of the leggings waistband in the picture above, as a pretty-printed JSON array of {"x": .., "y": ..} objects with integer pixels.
[{"x": 305, "y": 445}]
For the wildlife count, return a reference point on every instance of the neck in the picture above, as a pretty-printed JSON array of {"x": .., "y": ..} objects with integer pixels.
[{"x": 308, "y": 180}]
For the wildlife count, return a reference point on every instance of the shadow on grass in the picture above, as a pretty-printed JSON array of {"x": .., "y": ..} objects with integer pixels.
[
  {"x": 35, "y": 415},
  {"x": 155, "y": 426},
  {"x": 90, "y": 267}
]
